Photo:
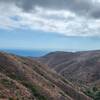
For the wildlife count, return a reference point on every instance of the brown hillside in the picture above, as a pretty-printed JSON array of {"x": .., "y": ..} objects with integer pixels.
[
  {"x": 33, "y": 81},
  {"x": 83, "y": 67}
]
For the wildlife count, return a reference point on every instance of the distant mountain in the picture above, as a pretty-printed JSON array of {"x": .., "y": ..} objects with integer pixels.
[
  {"x": 23, "y": 78},
  {"x": 80, "y": 67}
]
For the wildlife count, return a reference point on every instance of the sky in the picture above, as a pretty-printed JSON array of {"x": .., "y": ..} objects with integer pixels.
[{"x": 71, "y": 25}]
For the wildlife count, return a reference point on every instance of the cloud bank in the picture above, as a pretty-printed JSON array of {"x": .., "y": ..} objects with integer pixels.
[{"x": 66, "y": 17}]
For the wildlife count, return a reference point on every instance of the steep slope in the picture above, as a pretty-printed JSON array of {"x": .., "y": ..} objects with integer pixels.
[
  {"x": 11, "y": 89},
  {"x": 34, "y": 81},
  {"x": 83, "y": 67}
]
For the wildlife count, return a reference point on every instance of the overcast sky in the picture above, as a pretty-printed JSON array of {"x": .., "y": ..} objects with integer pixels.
[{"x": 65, "y": 18}]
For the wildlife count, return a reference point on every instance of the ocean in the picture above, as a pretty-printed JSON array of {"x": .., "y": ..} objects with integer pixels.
[{"x": 31, "y": 53}]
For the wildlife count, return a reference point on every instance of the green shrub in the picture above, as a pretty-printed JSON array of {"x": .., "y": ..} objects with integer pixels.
[
  {"x": 35, "y": 91},
  {"x": 11, "y": 98},
  {"x": 89, "y": 93},
  {"x": 93, "y": 93},
  {"x": 97, "y": 95},
  {"x": 94, "y": 89},
  {"x": 6, "y": 83}
]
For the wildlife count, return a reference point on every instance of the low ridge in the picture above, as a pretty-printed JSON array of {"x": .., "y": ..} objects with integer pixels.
[{"x": 82, "y": 67}]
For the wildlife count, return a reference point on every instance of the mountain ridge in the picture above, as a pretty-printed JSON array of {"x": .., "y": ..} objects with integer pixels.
[
  {"x": 82, "y": 65},
  {"x": 39, "y": 82}
]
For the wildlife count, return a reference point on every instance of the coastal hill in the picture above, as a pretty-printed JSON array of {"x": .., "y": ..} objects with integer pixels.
[
  {"x": 23, "y": 78},
  {"x": 81, "y": 67}
]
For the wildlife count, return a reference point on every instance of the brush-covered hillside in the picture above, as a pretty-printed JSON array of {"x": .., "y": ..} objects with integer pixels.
[
  {"x": 23, "y": 78},
  {"x": 81, "y": 68}
]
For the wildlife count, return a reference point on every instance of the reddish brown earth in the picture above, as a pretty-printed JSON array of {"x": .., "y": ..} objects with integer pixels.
[
  {"x": 80, "y": 67},
  {"x": 26, "y": 79}
]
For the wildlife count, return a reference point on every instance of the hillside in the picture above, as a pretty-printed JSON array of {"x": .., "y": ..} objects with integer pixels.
[
  {"x": 81, "y": 67},
  {"x": 26, "y": 79}
]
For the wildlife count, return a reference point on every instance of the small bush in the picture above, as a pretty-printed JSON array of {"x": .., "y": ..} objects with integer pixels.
[
  {"x": 11, "y": 98},
  {"x": 89, "y": 93},
  {"x": 35, "y": 91},
  {"x": 7, "y": 82},
  {"x": 93, "y": 93},
  {"x": 97, "y": 95},
  {"x": 94, "y": 89}
]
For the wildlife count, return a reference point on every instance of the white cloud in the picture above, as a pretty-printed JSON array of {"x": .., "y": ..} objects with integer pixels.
[{"x": 62, "y": 22}]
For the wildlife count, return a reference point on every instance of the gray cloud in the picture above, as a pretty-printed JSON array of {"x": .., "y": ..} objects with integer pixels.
[
  {"x": 77, "y": 6},
  {"x": 95, "y": 13},
  {"x": 67, "y": 17},
  {"x": 81, "y": 7}
]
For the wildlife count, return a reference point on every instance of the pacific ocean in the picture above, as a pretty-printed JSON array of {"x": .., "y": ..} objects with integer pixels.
[{"x": 31, "y": 53}]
